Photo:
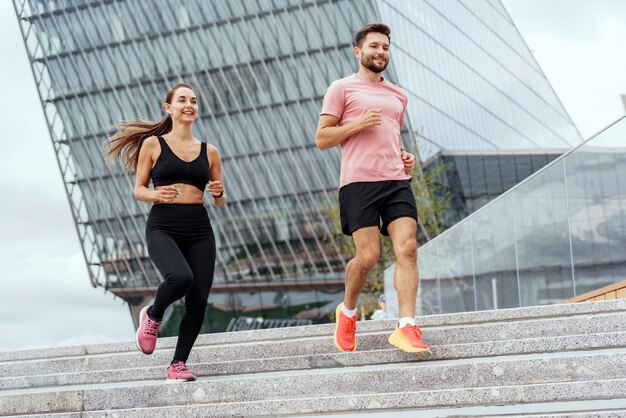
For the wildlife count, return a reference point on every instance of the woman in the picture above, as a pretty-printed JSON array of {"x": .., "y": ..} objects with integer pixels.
[{"x": 178, "y": 232}]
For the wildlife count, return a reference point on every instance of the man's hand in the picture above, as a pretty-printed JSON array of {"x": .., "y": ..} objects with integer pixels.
[
  {"x": 372, "y": 117},
  {"x": 408, "y": 160}
]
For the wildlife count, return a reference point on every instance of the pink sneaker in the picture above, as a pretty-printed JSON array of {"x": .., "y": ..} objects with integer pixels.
[
  {"x": 147, "y": 332},
  {"x": 179, "y": 372}
]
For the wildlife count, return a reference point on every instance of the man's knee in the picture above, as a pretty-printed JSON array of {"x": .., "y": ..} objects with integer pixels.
[
  {"x": 407, "y": 250},
  {"x": 367, "y": 259}
]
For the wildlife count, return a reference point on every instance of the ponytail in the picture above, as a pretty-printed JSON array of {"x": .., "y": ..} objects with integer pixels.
[{"x": 125, "y": 144}]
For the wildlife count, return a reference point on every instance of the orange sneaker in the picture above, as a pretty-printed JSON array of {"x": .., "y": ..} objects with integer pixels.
[
  {"x": 345, "y": 331},
  {"x": 409, "y": 339}
]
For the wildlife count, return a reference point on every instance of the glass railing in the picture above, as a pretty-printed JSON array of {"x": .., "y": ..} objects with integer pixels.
[{"x": 557, "y": 234}]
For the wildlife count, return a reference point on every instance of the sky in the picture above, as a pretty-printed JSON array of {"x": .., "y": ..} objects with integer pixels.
[
  {"x": 580, "y": 47},
  {"x": 46, "y": 298}
]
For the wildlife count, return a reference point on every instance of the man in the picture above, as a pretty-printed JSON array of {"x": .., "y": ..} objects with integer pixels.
[{"x": 364, "y": 113}]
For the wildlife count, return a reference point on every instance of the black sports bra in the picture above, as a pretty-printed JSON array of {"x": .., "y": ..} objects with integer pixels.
[{"x": 170, "y": 169}]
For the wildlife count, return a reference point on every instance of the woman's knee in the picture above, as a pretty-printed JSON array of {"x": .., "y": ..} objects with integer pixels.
[
  {"x": 196, "y": 303},
  {"x": 180, "y": 279}
]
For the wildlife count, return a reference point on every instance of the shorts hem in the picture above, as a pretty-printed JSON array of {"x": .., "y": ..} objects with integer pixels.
[
  {"x": 353, "y": 230},
  {"x": 384, "y": 229}
]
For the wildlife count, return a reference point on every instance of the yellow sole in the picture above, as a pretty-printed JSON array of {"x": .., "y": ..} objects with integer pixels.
[{"x": 399, "y": 343}]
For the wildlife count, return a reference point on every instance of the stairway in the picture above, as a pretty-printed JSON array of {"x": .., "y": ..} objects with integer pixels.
[{"x": 560, "y": 360}]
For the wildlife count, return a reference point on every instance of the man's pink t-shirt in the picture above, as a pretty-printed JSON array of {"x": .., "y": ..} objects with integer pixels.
[{"x": 372, "y": 154}]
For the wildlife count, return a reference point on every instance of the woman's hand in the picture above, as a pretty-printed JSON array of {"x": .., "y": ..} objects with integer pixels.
[
  {"x": 166, "y": 194},
  {"x": 215, "y": 188}
]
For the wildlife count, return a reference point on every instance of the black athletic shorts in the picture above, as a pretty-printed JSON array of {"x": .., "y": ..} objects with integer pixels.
[{"x": 364, "y": 204}]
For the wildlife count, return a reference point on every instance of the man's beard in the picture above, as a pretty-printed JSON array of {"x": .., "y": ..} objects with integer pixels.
[{"x": 368, "y": 62}]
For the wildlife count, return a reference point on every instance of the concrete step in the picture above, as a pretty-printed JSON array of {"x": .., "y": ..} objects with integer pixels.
[
  {"x": 477, "y": 338},
  {"x": 420, "y": 403},
  {"x": 421, "y": 413},
  {"x": 372, "y": 380},
  {"x": 615, "y": 413},
  {"x": 494, "y": 411},
  {"x": 525, "y": 356},
  {"x": 283, "y": 334},
  {"x": 586, "y": 342}
]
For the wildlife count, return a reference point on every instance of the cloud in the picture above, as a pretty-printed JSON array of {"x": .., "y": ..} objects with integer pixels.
[
  {"x": 579, "y": 46},
  {"x": 576, "y": 20},
  {"x": 47, "y": 300}
]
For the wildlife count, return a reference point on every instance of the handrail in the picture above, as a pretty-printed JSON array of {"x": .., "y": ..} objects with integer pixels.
[{"x": 529, "y": 178}]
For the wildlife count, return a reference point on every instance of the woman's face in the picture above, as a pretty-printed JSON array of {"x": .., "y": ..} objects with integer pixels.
[{"x": 184, "y": 106}]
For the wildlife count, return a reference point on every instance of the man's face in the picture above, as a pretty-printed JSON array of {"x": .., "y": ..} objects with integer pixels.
[{"x": 374, "y": 52}]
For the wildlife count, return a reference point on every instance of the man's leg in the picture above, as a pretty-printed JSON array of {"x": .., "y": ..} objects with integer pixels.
[
  {"x": 367, "y": 245},
  {"x": 402, "y": 232},
  {"x": 407, "y": 336}
]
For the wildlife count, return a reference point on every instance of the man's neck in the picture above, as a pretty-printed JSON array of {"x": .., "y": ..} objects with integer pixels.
[{"x": 368, "y": 75}]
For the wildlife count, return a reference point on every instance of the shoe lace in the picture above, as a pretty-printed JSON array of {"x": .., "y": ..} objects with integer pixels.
[
  {"x": 152, "y": 327},
  {"x": 351, "y": 325},
  {"x": 416, "y": 330},
  {"x": 179, "y": 367}
]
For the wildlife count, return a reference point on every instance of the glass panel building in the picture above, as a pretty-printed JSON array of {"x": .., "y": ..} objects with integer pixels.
[{"x": 260, "y": 69}]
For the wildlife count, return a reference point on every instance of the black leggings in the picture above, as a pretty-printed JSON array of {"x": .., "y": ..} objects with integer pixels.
[{"x": 182, "y": 247}]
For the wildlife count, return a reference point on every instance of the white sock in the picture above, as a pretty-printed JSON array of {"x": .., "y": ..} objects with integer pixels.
[
  {"x": 407, "y": 320},
  {"x": 348, "y": 312}
]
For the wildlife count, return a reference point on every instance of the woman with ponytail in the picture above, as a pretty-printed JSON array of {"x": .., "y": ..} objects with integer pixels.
[{"x": 178, "y": 231}]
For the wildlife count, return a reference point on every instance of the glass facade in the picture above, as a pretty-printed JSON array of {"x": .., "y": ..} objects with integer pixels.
[
  {"x": 260, "y": 69},
  {"x": 472, "y": 82},
  {"x": 474, "y": 178},
  {"x": 558, "y": 234}
]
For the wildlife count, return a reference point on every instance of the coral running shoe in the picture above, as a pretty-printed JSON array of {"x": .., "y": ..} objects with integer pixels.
[
  {"x": 409, "y": 339},
  {"x": 178, "y": 372},
  {"x": 147, "y": 332},
  {"x": 345, "y": 331}
]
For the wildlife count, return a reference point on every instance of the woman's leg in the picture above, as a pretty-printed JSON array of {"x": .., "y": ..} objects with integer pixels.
[
  {"x": 201, "y": 259},
  {"x": 171, "y": 263}
]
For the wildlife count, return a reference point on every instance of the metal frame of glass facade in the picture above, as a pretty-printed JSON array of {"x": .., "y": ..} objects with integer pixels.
[{"x": 260, "y": 69}]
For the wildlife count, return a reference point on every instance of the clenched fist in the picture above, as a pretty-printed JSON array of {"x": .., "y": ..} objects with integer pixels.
[
  {"x": 215, "y": 188},
  {"x": 166, "y": 194},
  {"x": 372, "y": 117},
  {"x": 408, "y": 160}
]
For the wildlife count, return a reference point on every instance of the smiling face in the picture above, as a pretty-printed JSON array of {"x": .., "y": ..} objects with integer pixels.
[
  {"x": 373, "y": 53},
  {"x": 183, "y": 106}
]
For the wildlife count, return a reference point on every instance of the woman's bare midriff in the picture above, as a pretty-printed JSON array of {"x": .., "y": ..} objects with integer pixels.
[{"x": 188, "y": 194}]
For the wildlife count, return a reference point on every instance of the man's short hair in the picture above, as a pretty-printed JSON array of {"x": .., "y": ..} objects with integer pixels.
[{"x": 371, "y": 28}]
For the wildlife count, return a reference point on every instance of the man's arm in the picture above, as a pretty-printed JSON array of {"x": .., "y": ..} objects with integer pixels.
[
  {"x": 408, "y": 159},
  {"x": 328, "y": 134}
]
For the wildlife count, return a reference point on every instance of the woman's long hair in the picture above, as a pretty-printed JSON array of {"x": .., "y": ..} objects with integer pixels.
[{"x": 125, "y": 144}]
